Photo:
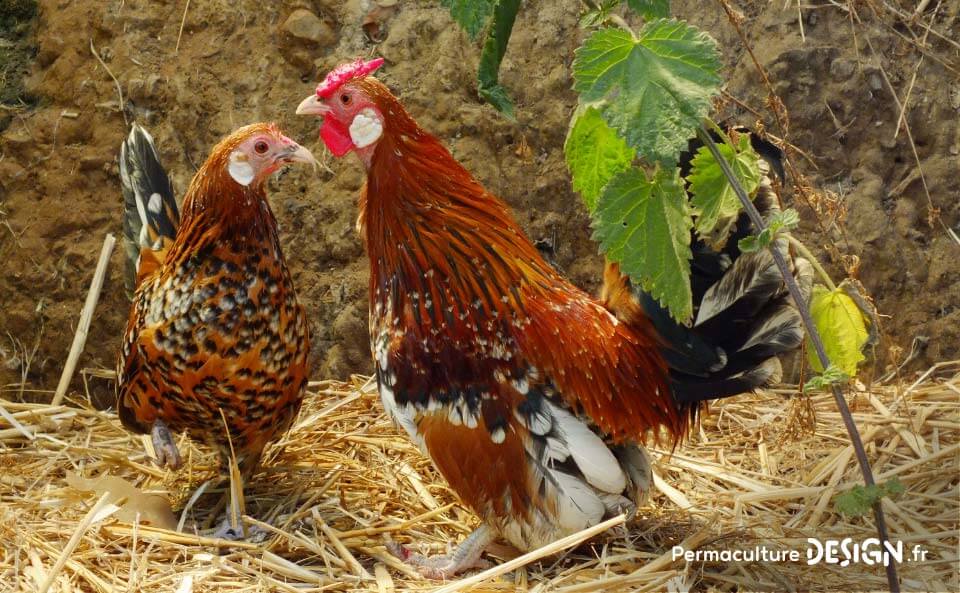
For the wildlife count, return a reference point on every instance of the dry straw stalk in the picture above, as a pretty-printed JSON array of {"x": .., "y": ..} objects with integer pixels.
[{"x": 343, "y": 480}]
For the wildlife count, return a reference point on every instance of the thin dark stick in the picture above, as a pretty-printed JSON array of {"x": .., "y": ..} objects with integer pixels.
[{"x": 791, "y": 283}]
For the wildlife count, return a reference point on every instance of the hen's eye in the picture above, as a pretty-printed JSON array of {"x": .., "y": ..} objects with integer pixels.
[
  {"x": 345, "y": 99},
  {"x": 261, "y": 147}
]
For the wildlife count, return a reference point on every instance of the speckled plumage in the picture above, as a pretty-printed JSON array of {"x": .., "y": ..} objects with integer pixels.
[{"x": 216, "y": 336}]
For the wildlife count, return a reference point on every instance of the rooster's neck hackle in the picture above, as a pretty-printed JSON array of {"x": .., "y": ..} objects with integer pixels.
[{"x": 434, "y": 233}]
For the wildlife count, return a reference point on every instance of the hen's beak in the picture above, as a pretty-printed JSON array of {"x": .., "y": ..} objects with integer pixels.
[
  {"x": 312, "y": 105},
  {"x": 294, "y": 153}
]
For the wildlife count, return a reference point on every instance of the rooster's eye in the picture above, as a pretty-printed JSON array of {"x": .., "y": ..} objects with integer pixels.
[
  {"x": 261, "y": 147},
  {"x": 345, "y": 99}
]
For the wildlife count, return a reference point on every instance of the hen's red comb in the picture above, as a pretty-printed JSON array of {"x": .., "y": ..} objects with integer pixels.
[{"x": 345, "y": 72}]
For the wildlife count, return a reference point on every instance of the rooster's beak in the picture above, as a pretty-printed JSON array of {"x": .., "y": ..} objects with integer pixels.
[{"x": 312, "y": 105}]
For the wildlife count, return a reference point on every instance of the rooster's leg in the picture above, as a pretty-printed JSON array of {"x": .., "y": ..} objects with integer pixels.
[
  {"x": 163, "y": 445},
  {"x": 441, "y": 567}
]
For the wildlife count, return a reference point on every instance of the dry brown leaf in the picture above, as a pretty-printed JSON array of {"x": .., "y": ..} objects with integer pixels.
[{"x": 153, "y": 509}]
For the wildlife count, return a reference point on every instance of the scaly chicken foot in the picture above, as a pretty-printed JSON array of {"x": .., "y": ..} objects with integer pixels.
[
  {"x": 167, "y": 453},
  {"x": 250, "y": 533},
  {"x": 227, "y": 530},
  {"x": 445, "y": 566}
]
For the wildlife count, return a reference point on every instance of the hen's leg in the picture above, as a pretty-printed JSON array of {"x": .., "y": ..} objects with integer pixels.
[
  {"x": 232, "y": 527},
  {"x": 163, "y": 445},
  {"x": 445, "y": 566}
]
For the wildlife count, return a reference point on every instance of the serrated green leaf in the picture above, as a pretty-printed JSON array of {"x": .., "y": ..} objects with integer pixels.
[
  {"x": 752, "y": 243},
  {"x": 472, "y": 15},
  {"x": 656, "y": 88},
  {"x": 594, "y": 155},
  {"x": 504, "y": 15},
  {"x": 859, "y": 500},
  {"x": 713, "y": 195},
  {"x": 842, "y": 327},
  {"x": 650, "y": 9},
  {"x": 785, "y": 220},
  {"x": 644, "y": 224}
]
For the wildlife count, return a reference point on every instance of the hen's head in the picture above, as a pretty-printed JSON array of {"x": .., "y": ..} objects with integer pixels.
[
  {"x": 351, "y": 105},
  {"x": 253, "y": 153}
]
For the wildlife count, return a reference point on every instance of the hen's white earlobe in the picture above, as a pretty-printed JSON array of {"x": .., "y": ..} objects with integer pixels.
[{"x": 240, "y": 169}]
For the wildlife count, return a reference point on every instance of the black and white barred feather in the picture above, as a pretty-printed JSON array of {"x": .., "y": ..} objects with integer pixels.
[{"x": 151, "y": 214}]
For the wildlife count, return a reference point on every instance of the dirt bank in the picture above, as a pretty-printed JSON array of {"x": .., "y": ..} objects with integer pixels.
[{"x": 234, "y": 63}]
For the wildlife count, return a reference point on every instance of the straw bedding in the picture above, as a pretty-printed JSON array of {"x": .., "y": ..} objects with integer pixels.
[{"x": 84, "y": 509}]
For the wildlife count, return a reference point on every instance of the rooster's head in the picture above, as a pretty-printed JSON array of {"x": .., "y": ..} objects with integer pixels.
[{"x": 351, "y": 105}]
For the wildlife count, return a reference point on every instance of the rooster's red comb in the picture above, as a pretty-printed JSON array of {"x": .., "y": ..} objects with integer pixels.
[{"x": 345, "y": 72}]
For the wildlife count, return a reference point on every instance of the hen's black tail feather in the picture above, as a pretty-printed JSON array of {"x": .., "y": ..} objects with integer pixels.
[
  {"x": 151, "y": 214},
  {"x": 744, "y": 317}
]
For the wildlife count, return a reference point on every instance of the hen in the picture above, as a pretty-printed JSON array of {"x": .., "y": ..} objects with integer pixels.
[
  {"x": 216, "y": 343},
  {"x": 531, "y": 398}
]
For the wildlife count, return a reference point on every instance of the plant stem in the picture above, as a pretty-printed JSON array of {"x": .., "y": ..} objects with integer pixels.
[
  {"x": 723, "y": 135},
  {"x": 620, "y": 22},
  {"x": 791, "y": 283},
  {"x": 808, "y": 255}
]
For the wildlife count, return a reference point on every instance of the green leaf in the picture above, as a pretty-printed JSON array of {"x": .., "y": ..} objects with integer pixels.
[
  {"x": 780, "y": 222},
  {"x": 645, "y": 225},
  {"x": 600, "y": 14},
  {"x": 504, "y": 15},
  {"x": 472, "y": 15},
  {"x": 752, "y": 243},
  {"x": 650, "y": 9},
  {"x": 830, "y": 376},
  {"x": 859, "y": 500},
  {"x": 713, "y": 194},
  {"x": 842, "y": 326},
  {"x": 594, "y": 154},
  {"x": 656, "y": 88}
]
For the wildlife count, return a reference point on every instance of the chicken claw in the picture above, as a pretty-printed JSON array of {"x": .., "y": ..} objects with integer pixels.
[
  {"x": 445, "y": 566},
  {"x": 163, "y": 445}
]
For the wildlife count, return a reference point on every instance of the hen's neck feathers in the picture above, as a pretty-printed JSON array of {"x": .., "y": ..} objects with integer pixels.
[{"x": 217, "y": 208}]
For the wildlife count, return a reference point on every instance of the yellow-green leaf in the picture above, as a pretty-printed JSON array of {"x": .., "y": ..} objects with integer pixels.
[{"x": 842, "y": 326}]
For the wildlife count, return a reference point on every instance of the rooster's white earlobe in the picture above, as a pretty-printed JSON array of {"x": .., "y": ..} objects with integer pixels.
[{"x": 366, "y": 128}]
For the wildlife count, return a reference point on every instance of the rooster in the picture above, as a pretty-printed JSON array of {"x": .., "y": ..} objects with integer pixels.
[
  {"x": 216, "y": 343},
  {"x": 531, "y": 397}
]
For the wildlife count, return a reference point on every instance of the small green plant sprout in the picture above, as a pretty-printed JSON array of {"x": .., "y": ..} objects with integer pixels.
[
  {"x": 779, "y": 223},
  {"x": 832, "y": 375},
  {"x": 859, "y": 500}
]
